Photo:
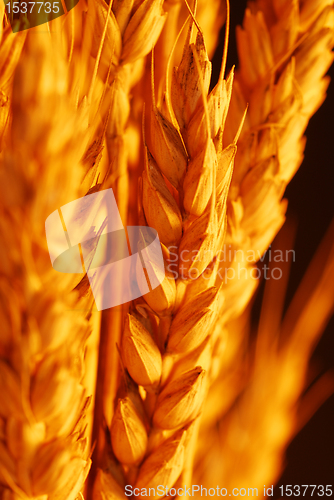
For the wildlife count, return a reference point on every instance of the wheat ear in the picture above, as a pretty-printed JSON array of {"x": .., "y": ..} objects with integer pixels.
[
  {"x": 284, "y": 85},
  {"x": 271, "y": 143},
  {"x": 276, "y": 379},
  {"x": 175, "y": 321},
  {"x": 43, "y": 447}
]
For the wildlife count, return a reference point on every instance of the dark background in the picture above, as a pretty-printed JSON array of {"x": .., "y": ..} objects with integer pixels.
[{"x": 310, "y": 457}]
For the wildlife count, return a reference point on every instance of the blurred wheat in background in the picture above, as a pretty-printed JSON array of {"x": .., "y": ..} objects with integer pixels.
[{"x": 174, "y": 388}]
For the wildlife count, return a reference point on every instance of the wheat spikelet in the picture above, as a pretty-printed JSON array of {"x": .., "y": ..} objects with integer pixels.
[{"x": 210, "y": 16}]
